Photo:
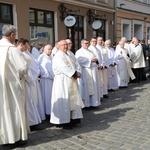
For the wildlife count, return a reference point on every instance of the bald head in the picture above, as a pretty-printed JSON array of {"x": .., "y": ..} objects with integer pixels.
[
  {"x": 135, "y": 40},
  {"x": 108, "y": 43},
  {"x": 47, "y": 49},
  {"x": 63, "y": 45}
]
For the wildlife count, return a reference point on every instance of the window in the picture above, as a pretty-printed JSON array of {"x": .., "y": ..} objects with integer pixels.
[
  {"x": 101, "y": 1},
  {"x": 148, "y": 31},
  {"x": 41, "y": 26},
  {"x": 139, "y": 0},
  {"x": 148, "y": 1},
  {"x": 6, "y": 15},
  {"x": 138, "y": 29},
  {"x": 40, "y": 17},
  {"x": 126, "y": 28}
]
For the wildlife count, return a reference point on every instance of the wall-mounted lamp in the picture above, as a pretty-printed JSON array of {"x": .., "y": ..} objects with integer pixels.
[
  {"x": 92, "y": 16},
  {"x": 122, "y": 4},
  {"x": 65, "y": 11}
]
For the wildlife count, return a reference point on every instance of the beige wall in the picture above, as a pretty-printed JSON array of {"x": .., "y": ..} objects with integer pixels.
[
  {"x": 22, "y": 16},
  {"x": 131, "y": 16}
]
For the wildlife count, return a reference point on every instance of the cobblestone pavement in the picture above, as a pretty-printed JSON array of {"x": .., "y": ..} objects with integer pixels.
[{"x": 122, "y": 122}]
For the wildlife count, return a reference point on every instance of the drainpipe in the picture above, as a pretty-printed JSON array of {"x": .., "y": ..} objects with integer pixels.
[{"x": 115, "y": 21}]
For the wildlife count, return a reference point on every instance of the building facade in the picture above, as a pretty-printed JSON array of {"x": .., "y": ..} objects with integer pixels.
[
  {"x": 132, "y": 19},
  {"x": 44, "y": 21}
]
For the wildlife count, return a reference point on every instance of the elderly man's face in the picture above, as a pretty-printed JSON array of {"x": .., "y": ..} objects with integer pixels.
[
  {"x": 107, "y": 44},
  {"x": 48, "y": 50},
  {"x": 121, "y": 44},
  {"x": 135, "y": 41},
  {"x": 63, "y": 46}
]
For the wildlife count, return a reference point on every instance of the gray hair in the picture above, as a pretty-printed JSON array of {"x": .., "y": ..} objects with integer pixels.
[
  {"x": 123, "y": 39},
  {"x": 7, "y": 30},
  {"x": 108, "y": 41}
]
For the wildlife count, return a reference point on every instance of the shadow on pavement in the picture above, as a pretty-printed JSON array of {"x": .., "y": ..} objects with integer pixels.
[{"x": 95, "y": 119}]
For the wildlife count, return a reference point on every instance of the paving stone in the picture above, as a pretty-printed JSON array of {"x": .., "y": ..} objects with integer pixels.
[{"x": 122, "y": 122}]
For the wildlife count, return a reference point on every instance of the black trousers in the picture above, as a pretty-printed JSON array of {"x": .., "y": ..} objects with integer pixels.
[{"x": 139, "y": 74}]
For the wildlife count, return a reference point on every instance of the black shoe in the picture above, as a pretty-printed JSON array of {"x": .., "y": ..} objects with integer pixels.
[
  {"x": 47, "y": 117},
  {"x": 122, "y": 87},
  {"x": 105, "y": 96},
  {"x": 36, "y": 127},
  {"x": 87, "y": 108},
  {"x": 19, "y": 143},
  {"x": 75, "y": 122},
  {"x": 111, "y": 90},
  {"x": 59, "y": 125},
  {"x": 67, "y": 126}
]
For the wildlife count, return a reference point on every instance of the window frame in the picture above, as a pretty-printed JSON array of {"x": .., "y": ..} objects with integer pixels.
[
  {"x": 44, "y": 24},
  {"x": 10, "y": 21},
  {"x": 35, "y": 24}
]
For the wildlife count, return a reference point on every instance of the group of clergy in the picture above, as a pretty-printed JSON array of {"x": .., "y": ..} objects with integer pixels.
[
  {"x": 56, "y": 83},
  {"x": 70, "y": 81}
]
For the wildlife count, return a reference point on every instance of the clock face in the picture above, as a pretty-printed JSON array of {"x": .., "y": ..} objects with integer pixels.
[{"x": 96, "y": 24}]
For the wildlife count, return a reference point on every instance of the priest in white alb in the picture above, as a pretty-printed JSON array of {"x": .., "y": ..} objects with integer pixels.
[
  {"x": 88, "y": 84},
  {"x": 35, "y": 88},
  {"x": 13, "y": 119},
  {"x": 32, "y": 101},
  {"x": 123, "y": 67},
  {"x": 66, "y": 102},
  {"x": 47, "y": 77},
  {"x": 97, "y": 54},
  {"x": 105, "y": 64},
  {"x": 112, "y": 70}
]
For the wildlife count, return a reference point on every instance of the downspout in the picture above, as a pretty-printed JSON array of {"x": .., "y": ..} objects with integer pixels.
[{"x": 115, "y": 20}]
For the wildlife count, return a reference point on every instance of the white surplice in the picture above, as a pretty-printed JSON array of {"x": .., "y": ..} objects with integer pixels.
[
  {"x": 66, "y": 102},
  {"x": 35, "y": 90},
  {"x": 13, "y": 121},
  {"x": 54, "y": 51},
  {"x": 97, "y": 54},
  {"x": 137, "y": 57},
  {"x": 46, "y": 80},
  {"x": 88, "y": 84},
  {"x": 35, "y": 52},
  {"x": 32, "y": 93},
  {"x": 112, "y": 71},
  {"x": 122, "y": 68},
  {"x": 105, "y": 64}
]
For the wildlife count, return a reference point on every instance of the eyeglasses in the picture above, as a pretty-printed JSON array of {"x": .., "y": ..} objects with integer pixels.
[
  {"x": 86, "y": 43},
  {"x": 69, "y": 43}
]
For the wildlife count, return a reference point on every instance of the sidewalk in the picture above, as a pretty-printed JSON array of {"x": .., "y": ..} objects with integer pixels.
[{"x": 122, "y": 122}]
